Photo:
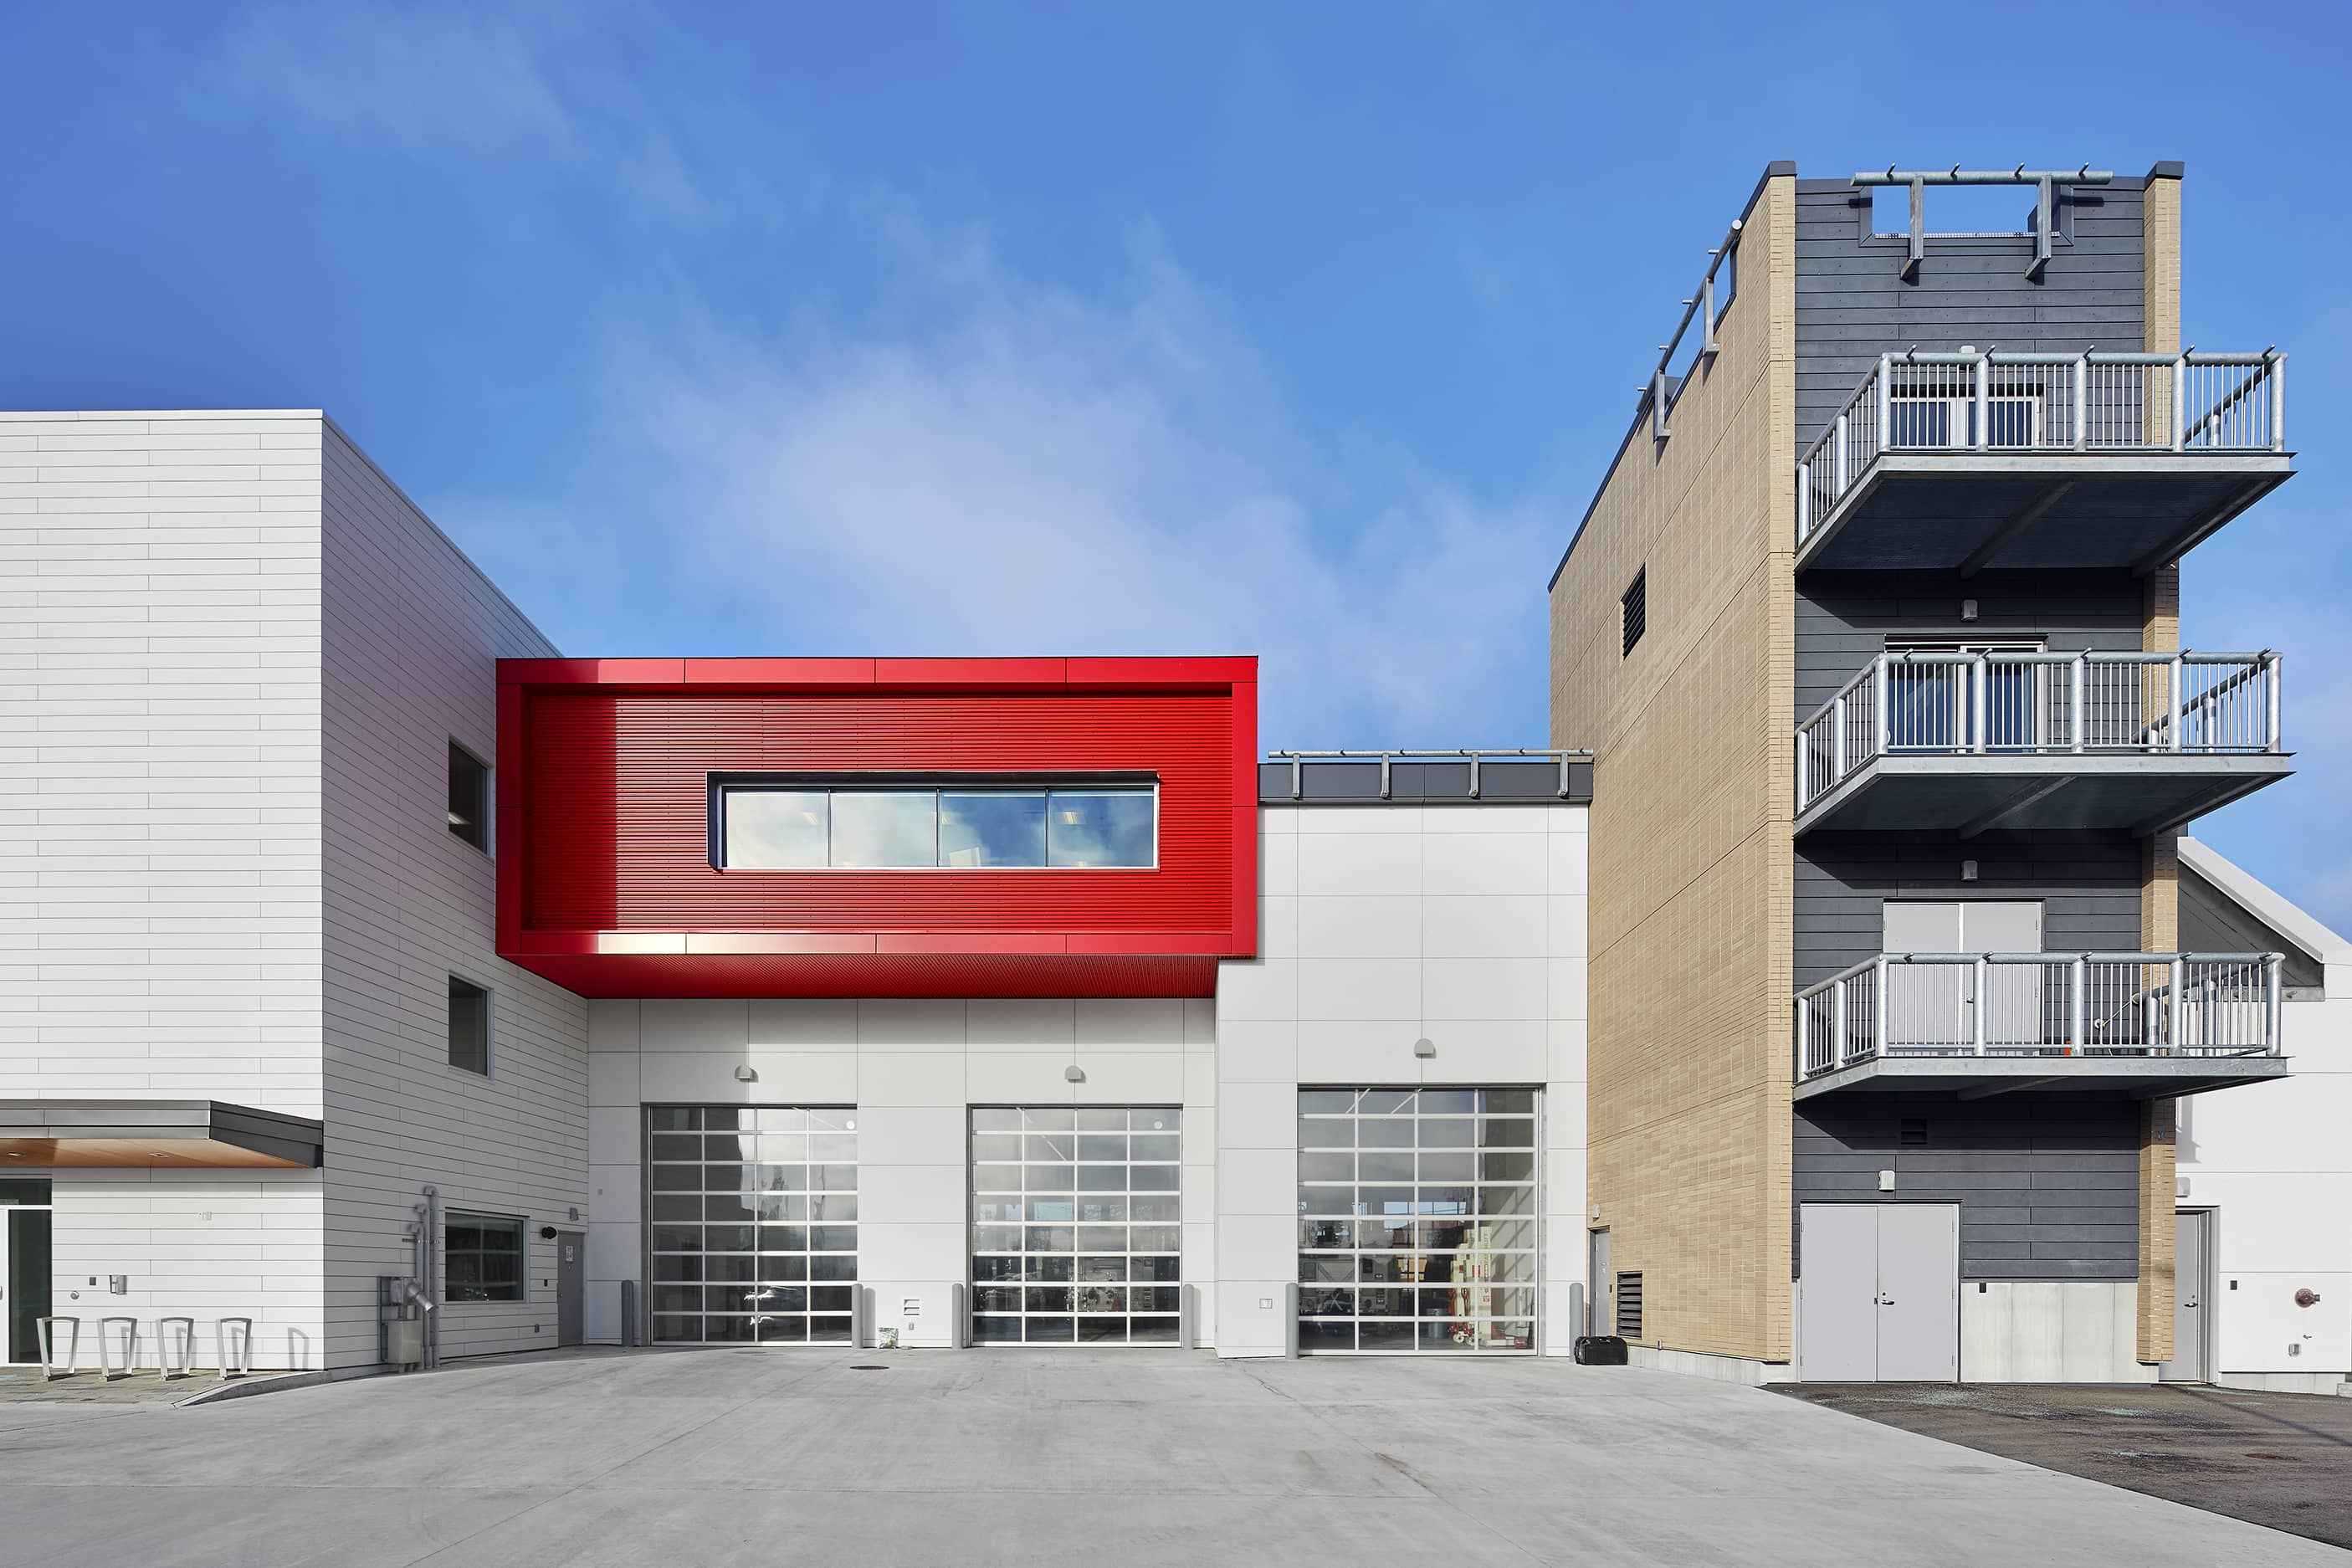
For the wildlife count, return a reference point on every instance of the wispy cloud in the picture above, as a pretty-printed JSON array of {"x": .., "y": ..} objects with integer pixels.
[
  {"x": 1045, "y": 472},
  {"x": 494, "y": 96},
  {"x": 963, "y": 458}
]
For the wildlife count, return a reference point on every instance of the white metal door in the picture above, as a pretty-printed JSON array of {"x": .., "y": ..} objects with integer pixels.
[
  {"x": 1918, "y": 1298},
  {"x": 1837, "y": 1312},
  {"x": 2192, "y": 1262}
]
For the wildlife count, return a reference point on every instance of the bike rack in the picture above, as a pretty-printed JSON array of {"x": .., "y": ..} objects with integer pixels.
[
  {"x": 73, "y": 1347},
  {"x": 188, "y": 1358},
  {"x": 130, "y": 1348},
  {"x": 245, "y": 1346}
]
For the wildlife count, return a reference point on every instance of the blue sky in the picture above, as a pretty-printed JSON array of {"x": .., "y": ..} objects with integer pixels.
[{"x": 1304, "y": 330}]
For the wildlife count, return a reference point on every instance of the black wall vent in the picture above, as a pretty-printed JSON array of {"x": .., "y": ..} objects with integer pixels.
[
  {"x": 1633, "y": 609},
  {"x": 1913, "y": 1134},
  {"x": 1629, "y": 1306}
]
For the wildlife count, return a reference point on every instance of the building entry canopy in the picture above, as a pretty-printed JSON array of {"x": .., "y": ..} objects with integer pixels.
[{"x": 161, "y": 1134}]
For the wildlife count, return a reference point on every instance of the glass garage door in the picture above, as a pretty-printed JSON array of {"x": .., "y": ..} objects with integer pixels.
[
  {"x": 1074, "y": 1234},
  {"x": 1417, "y": 1220},
  {"x": 751, "y": 1223}
]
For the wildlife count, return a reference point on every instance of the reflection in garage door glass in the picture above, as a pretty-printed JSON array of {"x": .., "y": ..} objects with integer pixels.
[
  {"x": 1417, "y": 1220},
  {"x": 1075, "y": 1236},
  {"x": 751, "y": 1223}
]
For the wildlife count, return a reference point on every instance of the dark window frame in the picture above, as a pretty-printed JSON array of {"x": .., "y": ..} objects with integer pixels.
[
  {"x": 478, "y": 1289},
  {"x": 468, "y": 992},
  {"x": 469, "y": 823},
  {"x": 721, "y": 785},
  {"x": 1633, "y": 611}
]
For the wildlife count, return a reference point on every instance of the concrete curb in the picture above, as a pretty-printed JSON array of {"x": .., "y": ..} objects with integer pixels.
[{"x": 245, "y": 1388}]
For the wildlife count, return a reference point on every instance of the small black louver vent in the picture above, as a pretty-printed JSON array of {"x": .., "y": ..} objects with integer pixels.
[
  {"x": 1629, "y": 1306},
  {"x": 1635, "y": 608}
]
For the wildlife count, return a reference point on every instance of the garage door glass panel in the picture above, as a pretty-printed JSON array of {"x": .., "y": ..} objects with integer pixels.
[
  {"x": 750, "y": 1223},
  {"x": 1077, "y": 1232},
  {"x": 1416, "y": 1226}
]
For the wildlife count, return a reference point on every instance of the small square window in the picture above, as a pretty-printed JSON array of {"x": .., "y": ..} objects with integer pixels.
[
  {"x": 1633, "y": 610},
  {"x": 469, "y": 1026},
  {"x": 482, "y": 1257},
  {"x": 470, "y": 797}
]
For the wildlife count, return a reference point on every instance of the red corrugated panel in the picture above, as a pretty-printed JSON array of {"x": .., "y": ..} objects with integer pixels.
[{"x": 613, "y": 830}]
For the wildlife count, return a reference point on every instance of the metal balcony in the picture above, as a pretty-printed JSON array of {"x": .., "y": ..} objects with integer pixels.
[
  {"x": 1961, "y": 743},
  {"x": 1969, "y": 461},
  {"x": 1987, "y": 1023}
]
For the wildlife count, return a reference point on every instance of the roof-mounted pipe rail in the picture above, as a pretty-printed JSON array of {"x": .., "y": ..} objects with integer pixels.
[
  {"x": 2045, "y": 181},
  {"x": 1297, "y": 760},
  {"x": 1702, "y": 306}
]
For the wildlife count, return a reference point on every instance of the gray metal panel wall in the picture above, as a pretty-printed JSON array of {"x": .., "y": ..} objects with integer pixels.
[
  {"x": 2047, "y": 1184},
  {"x": 1844, "y": 619},
  {"x": 2089, "y": 887},
  {"x": 1853, "y": 304}
]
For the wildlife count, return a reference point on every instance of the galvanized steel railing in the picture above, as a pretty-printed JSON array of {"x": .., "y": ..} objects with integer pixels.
[
  {"x": 2034, "y": 703},
  {"x": 2085, "y": 402},
  {"x": 2041, "y": 1004}
]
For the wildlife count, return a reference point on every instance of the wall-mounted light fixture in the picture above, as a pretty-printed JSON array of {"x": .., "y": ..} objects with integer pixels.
[
  {"x": 1073, "y": 1073},
  {"x": 1424, "y": 1048},
  {"x": 1967, "y": 870},
  {"x": 747, "y": 1074}
]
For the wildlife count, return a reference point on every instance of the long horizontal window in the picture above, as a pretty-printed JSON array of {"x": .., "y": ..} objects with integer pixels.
[{"x": 786, "y": 827}]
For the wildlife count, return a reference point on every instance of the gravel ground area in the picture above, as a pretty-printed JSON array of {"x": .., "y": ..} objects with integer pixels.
[{"x": 2280, "y": 1460}]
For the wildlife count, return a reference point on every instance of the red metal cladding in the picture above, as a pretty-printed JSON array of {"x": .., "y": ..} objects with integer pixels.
[{"x": 605, "y": 878}]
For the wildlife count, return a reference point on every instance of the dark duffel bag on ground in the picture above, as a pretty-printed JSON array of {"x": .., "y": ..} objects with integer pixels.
[{"x": 1600, "y": 1349}]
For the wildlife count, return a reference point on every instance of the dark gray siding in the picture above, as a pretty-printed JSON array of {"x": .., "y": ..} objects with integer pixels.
[
  {"x": 1844, "y": 619},
  {"x": 2213, "y": 921},
  {"x": 2047, "y": 1184},
  {"x": 2089, "y": 887},
  {"x": 1853, "y": 304}
]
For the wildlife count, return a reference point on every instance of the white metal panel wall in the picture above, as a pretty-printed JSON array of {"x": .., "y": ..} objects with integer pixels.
[
  {"x": 2273, "y": 1163},
  {"x": 911, "y": 1067},
  {"x": 160, "y": 862},
  {"x": 1380, "y": 925},
  {"x": 412, "y": 634}
]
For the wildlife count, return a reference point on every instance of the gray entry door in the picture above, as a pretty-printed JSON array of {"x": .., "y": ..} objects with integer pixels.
[
  {"x": 571, "y": 1287},
  {"x": 1837, "y": 1310},
  {"x": 1919, "y": 1292},
  {"x": 2191, "y": 1261},
  {"x": 1601, "y": 1309}
]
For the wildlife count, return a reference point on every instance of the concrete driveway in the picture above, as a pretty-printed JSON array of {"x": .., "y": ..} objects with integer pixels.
[{"x": 1021, "y": 1459}]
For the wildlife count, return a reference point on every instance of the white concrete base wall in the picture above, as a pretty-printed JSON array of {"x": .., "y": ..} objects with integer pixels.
[
  {"x": 913, "y": 1068},
  {"x": 1715, "y": 1368},
  {"x": 2047, "y": 1332},
  {"x": 2284, "y": 1381},
  {"x": 205, "y": 1245}
]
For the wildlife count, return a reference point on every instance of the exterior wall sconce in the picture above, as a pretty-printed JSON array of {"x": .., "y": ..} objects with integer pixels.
[
  {"x": 1424, "y": 1048},
  {"x": 1073, "y": 1073},
  {"x": 1967, "y": 870},
  {"x": 747, "y": 1074}
]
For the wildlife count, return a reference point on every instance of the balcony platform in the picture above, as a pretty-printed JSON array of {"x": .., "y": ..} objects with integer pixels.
[
  {"x": 2027, "y": 792},
  {"x": 1978, "y": 1077},
  {"x": 2035, "y": 509}
]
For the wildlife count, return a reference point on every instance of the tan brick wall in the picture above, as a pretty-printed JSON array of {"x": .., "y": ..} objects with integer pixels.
[
  {"x": 1690, "y": 986},
  {"x": 2156, "y": 1131},
  {"x": 2159, "y": 907}
]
